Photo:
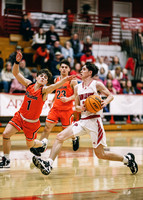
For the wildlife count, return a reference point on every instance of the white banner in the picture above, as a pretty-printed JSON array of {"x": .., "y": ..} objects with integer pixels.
[{"x": 121, "y": 105}]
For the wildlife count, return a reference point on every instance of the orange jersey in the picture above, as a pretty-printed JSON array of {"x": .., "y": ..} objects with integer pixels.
[
  {"x": 33, "y": 103},
  {"x": 64, "y": 91}
]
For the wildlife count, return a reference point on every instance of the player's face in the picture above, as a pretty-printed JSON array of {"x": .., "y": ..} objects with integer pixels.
[
  {"x": 64, "y": 69},
  {"x": 85, "y": 72},
  {"x": 42, "y": 79}
]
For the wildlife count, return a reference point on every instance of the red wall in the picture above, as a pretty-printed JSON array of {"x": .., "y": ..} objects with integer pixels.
[{"x": 33, "y": 5}]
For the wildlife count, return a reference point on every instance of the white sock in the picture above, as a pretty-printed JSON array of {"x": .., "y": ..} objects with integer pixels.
[
  {"x": 125, "y": 160},
  {"x": 6, "y": 156},
  {"x": 50, "y": 161}
]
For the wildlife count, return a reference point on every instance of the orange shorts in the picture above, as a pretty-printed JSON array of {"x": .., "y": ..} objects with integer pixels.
[
  {"x": 29, "y": 129},
  {"x": 64, "y": 116}
]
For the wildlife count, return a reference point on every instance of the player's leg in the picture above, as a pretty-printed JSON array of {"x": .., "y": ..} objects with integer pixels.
[
  {"x": 8, "y": 132},
  {"x": 47, "y": 129}
]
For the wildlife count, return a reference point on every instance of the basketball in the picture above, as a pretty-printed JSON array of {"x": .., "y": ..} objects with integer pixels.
[{"x": 93, "y": 103}]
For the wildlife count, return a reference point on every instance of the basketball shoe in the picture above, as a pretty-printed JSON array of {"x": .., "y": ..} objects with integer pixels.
[
  {"x": 39, "y": 150},
  {"x": 131, "y": 163},
  {"x": 75, "y": 143},
  {"x": 5, "y": 163},
  {"x": 44, "y": 166}
]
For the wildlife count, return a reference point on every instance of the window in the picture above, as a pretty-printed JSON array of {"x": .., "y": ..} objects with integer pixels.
[{"x": 13, "y": 5}]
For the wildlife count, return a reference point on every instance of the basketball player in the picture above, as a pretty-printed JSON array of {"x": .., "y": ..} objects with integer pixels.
[
  {"x": 27, "y": 118},
  {"x": 89, "y": 123},
  {"x": 62, "y": 108}
]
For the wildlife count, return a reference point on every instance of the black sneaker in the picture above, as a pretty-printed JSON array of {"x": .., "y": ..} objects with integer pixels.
[
  {"x": 44, "y": 166},
  {"x": 39, "y": 150},
  {"x": 131, "y": 163},
  {"x": 5, "y": 163},
  {"x": 75, "y": 143}
]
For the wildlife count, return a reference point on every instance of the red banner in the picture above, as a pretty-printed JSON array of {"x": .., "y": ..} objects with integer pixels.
[{"x": 128, "y": 23}]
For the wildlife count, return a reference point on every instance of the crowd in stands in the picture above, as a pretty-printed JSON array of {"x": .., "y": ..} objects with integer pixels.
[{"x": 49, "y": 52}]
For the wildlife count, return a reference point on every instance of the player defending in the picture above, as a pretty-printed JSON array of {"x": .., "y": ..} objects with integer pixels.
[
  {"x": 27, "y": 118},
  {"x": 89, "y": 123}
]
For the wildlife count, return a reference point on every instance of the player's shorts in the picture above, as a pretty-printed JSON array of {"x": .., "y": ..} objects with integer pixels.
[
  {"x": 64, "y": 116},
  {"x": 93, "y": 127},
  {"x": 29, "y": 129}
]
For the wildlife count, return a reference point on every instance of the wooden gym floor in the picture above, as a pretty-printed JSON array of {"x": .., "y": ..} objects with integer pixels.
[{"x": 76, "y": 175}]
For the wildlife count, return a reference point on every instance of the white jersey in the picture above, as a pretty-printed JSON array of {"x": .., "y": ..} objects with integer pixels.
[{"x": 84, "y": 92}]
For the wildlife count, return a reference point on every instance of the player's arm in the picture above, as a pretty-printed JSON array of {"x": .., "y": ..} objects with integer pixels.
[
  {"x": 17, "y": 74},
  {"x": 72, "y": 97},
  {"x": 52, "y": 87},
  {"x": 78, "y": 107},
  {"x": 103, "y": 90}
]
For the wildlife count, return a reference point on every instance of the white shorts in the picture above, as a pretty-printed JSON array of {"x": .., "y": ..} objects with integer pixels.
[{"x": 93, "y": 127}]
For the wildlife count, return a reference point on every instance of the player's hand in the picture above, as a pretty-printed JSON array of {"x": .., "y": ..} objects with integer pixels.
[
  {"x": 18, "y": 56},
  {"x": 64, "y": 99},
  {"x": 69, "y": 78},
  {"x": 103, "y": 103},
  {"x": 83, "y": 108}
]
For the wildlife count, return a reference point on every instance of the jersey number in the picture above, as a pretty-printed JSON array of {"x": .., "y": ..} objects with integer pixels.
[
  {"x": 29, "y": 103},
  {"x": 59, "y": 92}
]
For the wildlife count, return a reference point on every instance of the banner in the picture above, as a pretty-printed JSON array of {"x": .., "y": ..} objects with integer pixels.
[
  {"x": 45, "y": 20},
  {"x": 128, "y": 23},
  {"x": 121, "y": 105}
]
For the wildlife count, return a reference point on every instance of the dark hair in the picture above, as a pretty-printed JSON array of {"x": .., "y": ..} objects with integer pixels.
[
  {"x": 92, "y": 67},
  {"x": 66, "y": 62},
  {"x": 47, "y": 72}
]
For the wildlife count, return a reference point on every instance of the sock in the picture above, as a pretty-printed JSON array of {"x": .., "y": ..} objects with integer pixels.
[
  {"x": 6, "y": 156},
  {"x": 50, "y": 161},
  {"x": 125, "y": 160}
]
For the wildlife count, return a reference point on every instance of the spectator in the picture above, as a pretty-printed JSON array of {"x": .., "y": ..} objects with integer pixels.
[
  {"x": 110, "y": 87},
  {"x": 103, "y": 68},
  {"x": 7, "y": 76},
  {"x": 130, "y": 66},
  {"x": 87, "y": 57},
  {"x": 70, "y": 20},
  {"x": 123, "y": 85},
  {"x": 39, "y": 39},
  {"x": 117, "y": 73},
  {"x": 41, "y": 57},
  {"x": 115, "y": 63},
  {"x": 115, "y": 82},
  {"x": 33, "y": 75},
  {"x": 138, "y": 39},
  {"x": 23, "y": 69},
  {"x": 55, "y": 65},
  {"x": 76, "y": 47},
  {"x": 1, "y": 62},
  {"x": 139, "y": 88},
  {"x": 67, "y": 51},
  {"x": 76, "y": 71},
  {"x": 51, "y": 37},
  {"x": 129, "y": 89},
  {"x": 12, "y": 56},
  {"x": 25, "y": 28},
  {"x": 17, "y": 87},
  {"x": 87, "y": 45},
  {"x": 56, "y": 48}
]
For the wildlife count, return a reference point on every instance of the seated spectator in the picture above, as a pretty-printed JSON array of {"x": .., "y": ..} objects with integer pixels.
[
  {"x": 55, "y": 48},
  {"x": 123, "y": 85},
  {"x": 110, "y": 87},
  {"x": 87, "y": 45},
  {"x": 115, "y": 63},
  {"x": 7, "y": 77},
  {"x": 117, "y": 73},
  {"x": 76, "y": 71},
  {"x": 39, "y": 39},
  {"x": 87, "y": 57},
  {"x": 76, "y": 47},
  {"x": 139, "y": 88},
  {"x": 12, "y": 56},
  {"x": 17, "y": 87},
  {"x": 25, "y": 28},
  {"x": 41, "y": 57},
  {"x": 115, "y": 82},
  {"x": 23, "y": 69},
  {"x": 1, "y": 62},
  {"x": 51, "y": 37},
  {"x": 103, "y": 68},
  {"x": 33, "y": 75},
  {"x": 129, "y": 89},
  {"x": 55, "y": 65},
  {"x": 67, "y": 51}
]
